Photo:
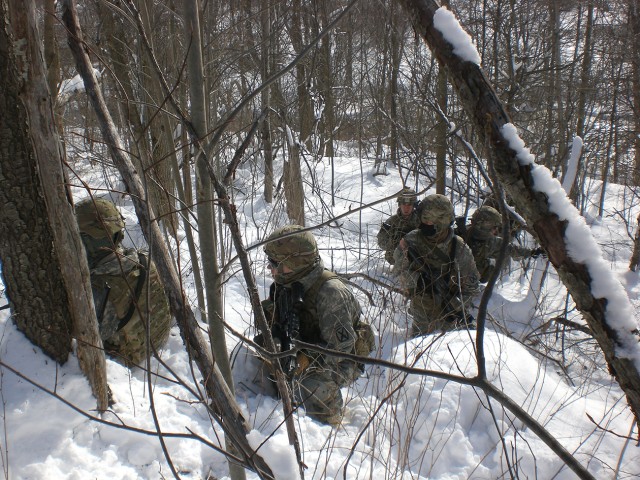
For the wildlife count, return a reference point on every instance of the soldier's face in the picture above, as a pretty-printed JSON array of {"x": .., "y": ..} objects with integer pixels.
[
  {"x": 406, "y": 209},
  {"x": 275, "y": 266}
]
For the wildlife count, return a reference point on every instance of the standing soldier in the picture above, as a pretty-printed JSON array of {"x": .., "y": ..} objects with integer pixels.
[
  {"x": 398, "y": 225},
  {"x": 437, "y": 270},
  {"x": 130, "y": 302},
  {"x": 313, "y": 305},
  {"x": 482, "y": 237}
]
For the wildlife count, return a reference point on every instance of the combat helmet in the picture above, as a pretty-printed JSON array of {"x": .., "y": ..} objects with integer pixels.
[
  {"x": 407, "y": 196},
  {"x": 437, "y": 210},
  {"x": 101, "y": 227},
  {"x": 486, "y": 218},
  {"x": 298, "y": 252}
]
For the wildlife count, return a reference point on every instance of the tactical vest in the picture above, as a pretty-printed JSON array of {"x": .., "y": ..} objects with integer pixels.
[
  {"x": 481, "y": 255},
  {"x": 130, "y": 301},
  {"x": 310, "y": 327},
  {"x": 435, "y": 272}
]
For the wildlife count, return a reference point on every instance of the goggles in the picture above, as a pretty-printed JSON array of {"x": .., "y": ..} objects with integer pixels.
[{"x": 273, "y": 263}]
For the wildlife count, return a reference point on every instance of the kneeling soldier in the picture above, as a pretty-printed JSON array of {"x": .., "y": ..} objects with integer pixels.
[
  {"x": 311, "y": 304},
  {"x": 130, "y": 302}
]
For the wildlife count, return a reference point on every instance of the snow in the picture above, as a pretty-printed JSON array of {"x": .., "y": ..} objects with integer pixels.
[
  {"x": 396, "y": 425},
  {"x": 75, "y": 84},
  {"x": 572, "y": 165},
  {"x": 583, "y": 249},
  {"x": 446, "y": 23}
]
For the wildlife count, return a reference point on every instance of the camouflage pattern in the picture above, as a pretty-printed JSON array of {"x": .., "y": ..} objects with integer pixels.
[
  {"x": 99, "y": 218},
  {"x": 485, "y": 245},
  {"x": 437, "y": 209},
  {"x": 486, "y": 219},
  {"x": 392, "y": 231},
  {"x": 299, "y": 252},
  {"x": 116, "y": 294},
  {"x": 126, "y": 287},
  {"x": 101, "y": 227},
  {"x": 514, "y": 225},
  {"x": 440, "y": 302},
  {"x": 329, "y": 320},
  {"x": 407, "y": 196}
]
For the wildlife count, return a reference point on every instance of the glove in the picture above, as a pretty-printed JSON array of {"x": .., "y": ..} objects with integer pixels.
[{"x": 538, "y": 252}]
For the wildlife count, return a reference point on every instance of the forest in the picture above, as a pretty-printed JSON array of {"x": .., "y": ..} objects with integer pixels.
[{"x": 212, "y": 123}]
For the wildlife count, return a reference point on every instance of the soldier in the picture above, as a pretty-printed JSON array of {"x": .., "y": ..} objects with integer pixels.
[
  {"x": 309, "y": 303},
  {"x": 515, "y": 227},
  {"x": 437, "y": 270},
  {"x": 482, "y": 237},
  {"x": 125, "y": 284},
  {"x": 398, "y": 225}
]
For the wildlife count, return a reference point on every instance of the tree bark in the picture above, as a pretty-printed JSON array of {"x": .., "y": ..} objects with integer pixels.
[
  {"x": 634, "y": 41},
  {"x": 267, "y": 52},
  {"x": 441, "y": 130},
  {"x": 635, "y": 256},
  {"x": 225, "y": 409},
  {"x": 206, "y": 228},
  {"x": 44, "y": 262},
  {"x": 582, "y": 91},
  {"x": 487, "y": 113}
]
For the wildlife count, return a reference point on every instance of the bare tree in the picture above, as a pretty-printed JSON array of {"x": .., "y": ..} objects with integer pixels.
[
  {"x": 224, "y": 407},
  {"x": 634, "y": 32},
  {"x": 487, "y": 112}
]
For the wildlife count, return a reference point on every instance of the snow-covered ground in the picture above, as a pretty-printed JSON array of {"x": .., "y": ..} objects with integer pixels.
[{"x": 396, "y": 425}]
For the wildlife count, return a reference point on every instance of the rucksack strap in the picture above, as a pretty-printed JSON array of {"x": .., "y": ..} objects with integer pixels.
[{"x": 138, "y": 290}]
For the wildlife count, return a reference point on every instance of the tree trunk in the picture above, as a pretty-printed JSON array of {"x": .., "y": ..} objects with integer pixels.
[
  {"x": 44, "y": 264},
  {"x": 396, "y": 47},
  {"x": 224, "y": 406},
  {"x": 267, "y": 52},
  {"x": 441, "y": 130},
  {"x": 305, "y": 104},
  {"x": 582, "y": 92},
  {"x": 293, "y": 189},
  {"x": 487, "y": 113},
  {"x": 635, "y": 256},
  {"x": 159, "y": 171},
  {"x": 634, "y": 41},
  {"x": 204, "y": 193}
]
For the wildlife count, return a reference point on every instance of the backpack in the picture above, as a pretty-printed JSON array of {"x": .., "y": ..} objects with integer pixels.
[
  {"x": 365, "y": 339},
  {"x": 126, "y": 287}
]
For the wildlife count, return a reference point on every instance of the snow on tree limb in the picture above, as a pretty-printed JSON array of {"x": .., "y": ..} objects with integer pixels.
[{"x": 596, "y": 291}]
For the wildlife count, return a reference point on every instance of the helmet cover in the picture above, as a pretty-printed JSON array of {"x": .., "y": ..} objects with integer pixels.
[
  {"x": 486, "y": 218},
  {"x": 407, "y": 196},
  {"x": 99, "y": 218},
  {"x": 298, "y": 251},
  {"x": 437, "y": 209}
]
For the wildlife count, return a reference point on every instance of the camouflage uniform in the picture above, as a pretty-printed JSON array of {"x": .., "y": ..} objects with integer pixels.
[
  {"x": 485, "y": 245},
  {"x": 126, "y": 287},
  {"x": 398, "y": 225},
  {"x": 437, "y": 270},
  {"x": 330, "y": 319}
]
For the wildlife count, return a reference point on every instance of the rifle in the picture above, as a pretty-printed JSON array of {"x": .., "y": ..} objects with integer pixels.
[
  {"x": 440, "y": 285},
  {"x": 288, "y": 302},
  {"x": 430, "y": 282}
]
